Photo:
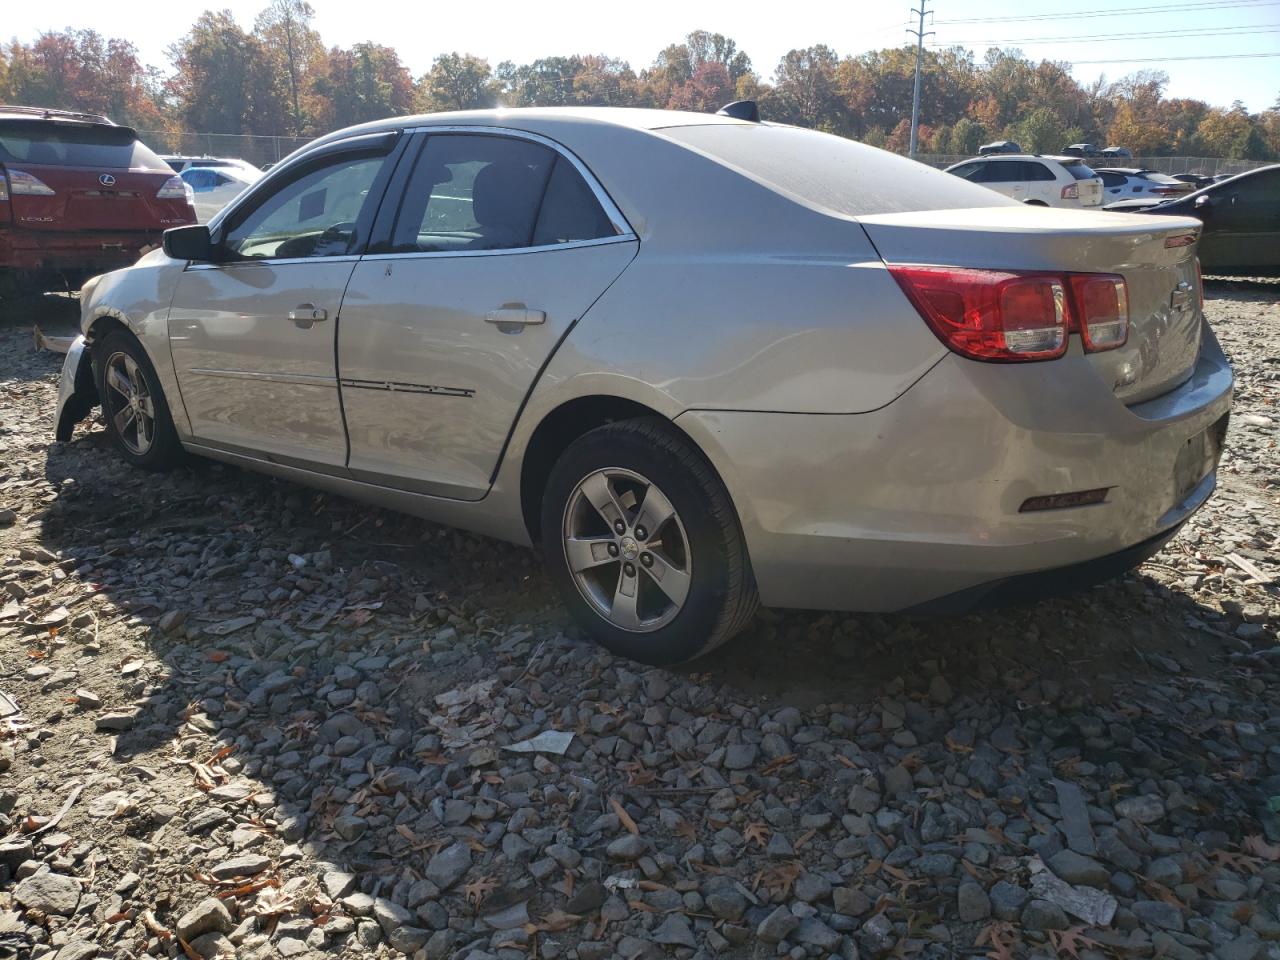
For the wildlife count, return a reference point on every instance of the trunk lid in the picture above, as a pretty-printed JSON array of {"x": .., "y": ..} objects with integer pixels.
[
  {"x": 75, "y": 175},
  {"x": 1153, "y": 254}
]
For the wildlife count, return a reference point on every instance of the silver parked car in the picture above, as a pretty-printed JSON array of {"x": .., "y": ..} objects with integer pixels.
[{"x": 703, "y": 362}]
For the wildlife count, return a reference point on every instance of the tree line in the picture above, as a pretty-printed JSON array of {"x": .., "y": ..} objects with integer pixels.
[{"x": 280, "y": 79}]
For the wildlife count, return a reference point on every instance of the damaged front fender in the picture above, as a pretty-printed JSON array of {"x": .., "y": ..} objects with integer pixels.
[{"x": 77, "y": 392}]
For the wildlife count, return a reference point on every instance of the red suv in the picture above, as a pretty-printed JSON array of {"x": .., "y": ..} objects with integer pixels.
[{"x": 79, "y": 195}]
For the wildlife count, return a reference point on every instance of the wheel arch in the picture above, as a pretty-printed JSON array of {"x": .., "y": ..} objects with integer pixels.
[{"x": 564, "y": 424}]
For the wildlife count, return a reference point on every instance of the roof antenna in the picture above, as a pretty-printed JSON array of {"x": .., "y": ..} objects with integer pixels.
[{"x": 740, "y": 110}]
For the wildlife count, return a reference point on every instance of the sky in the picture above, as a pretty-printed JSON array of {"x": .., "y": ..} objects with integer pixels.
[{"x": 504, "y": 30}]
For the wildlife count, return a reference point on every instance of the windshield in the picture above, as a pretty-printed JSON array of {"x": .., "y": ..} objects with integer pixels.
[
  {"x": 833, "y": 173},
  {"x": 53, "y": 143}
]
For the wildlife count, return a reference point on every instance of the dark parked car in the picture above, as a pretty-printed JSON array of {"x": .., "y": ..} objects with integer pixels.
[
  {"x": 1197, "y": 180},
  {"x": 998, "y": 146},
  {"x": 1118, "y": 153},
  {"x": 1080, "y": 150},
  {"x": 1241, "y": 217},
  {"x": 79, "y": 195}
]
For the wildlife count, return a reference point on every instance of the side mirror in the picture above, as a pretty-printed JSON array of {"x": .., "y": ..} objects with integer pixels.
[
  {"x": 1204, "y": 202},
  {"x": 188, "y": 243}
]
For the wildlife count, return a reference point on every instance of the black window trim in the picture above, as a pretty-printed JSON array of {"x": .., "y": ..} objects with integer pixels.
[{"x": 381, "y": 235}]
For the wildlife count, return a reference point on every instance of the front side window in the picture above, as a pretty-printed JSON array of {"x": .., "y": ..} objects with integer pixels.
[
  {"x": 970, "y": 171},
  {"x": 1003, "y": 171},
  {"x": 481, "y": 192},
  {"x": 314, "y": 215}
]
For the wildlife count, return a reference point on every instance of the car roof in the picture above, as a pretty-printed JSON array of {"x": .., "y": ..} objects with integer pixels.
[
  {"x": 11, "y": 112},
  {"x": 636, "y": 118},
  {"x": 1025, "y": 156}
]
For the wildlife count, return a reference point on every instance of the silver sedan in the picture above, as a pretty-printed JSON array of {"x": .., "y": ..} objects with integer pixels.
[{"x": 702, "y": 362}]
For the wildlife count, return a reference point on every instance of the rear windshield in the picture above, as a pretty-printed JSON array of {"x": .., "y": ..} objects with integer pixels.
[
  {"x": 832, "y": 173},
  {"x": 1081, "y": 171},
  {"x": 74, "y": 145}
]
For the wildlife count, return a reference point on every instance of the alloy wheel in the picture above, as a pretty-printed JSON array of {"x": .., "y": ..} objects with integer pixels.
[
  {"x": 129, "y": 403},
  {"x": 627, "y": 550}
]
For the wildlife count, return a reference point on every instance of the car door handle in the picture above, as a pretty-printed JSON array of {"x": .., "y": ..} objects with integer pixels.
[
  {"x": 305, "y": 314},
  {"x": 518, "y": 315}
]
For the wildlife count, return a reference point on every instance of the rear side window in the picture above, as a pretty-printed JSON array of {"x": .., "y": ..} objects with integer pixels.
[
  {"x": 1036, "y": 171},
  {"x": 478, "y": 192},
  {"x": 52, "y": 143},
  {"x": 1081, "y": 171},
  {"x": 830, "y": 172},
  {"x": 570, "y": 210},
  {"x": 202, "y": 179}
]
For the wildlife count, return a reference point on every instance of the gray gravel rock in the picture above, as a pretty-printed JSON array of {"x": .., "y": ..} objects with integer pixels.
[
  {"x": 1157, "y": 913},
  {"x": 50, "y": 893},
  {"x": 1077, "y": 869},
  {"x": 210, "y": 915},
  {"x": 777, "y": 926},
  {"x": 449, "y": 865}
]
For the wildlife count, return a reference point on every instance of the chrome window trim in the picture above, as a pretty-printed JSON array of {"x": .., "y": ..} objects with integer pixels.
[
  {"x": 508, "y": 251},
  {"x": 610, "y": 208},
  {"x": 268, "y": 262}
]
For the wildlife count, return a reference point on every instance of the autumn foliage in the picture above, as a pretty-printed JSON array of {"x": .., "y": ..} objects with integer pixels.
[{"x": 278, "y": 78}]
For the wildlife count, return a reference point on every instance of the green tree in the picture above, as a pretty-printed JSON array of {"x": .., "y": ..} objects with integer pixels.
[
  {"x": 457, "y": 81},
  {"x": 1041, "y": 131},
  {"x": 292, "y": 47},
  {"x": 367, "y": 82},
  {"x": 216, "y": 69},
  {"x": 804, "y": 90},
  {"x": 966, "y": 136}
]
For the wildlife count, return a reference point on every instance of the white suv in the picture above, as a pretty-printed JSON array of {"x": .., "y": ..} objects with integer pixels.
[{"x": 1041, "y": 181}]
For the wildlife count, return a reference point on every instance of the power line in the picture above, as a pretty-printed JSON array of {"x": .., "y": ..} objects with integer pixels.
[
  {"x": 1110, "y": 37},
  {"x": 1210, "y": 6},
  {"x": 1220, "y": 56}
]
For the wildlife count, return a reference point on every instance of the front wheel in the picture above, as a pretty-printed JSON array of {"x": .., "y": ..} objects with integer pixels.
[
  {"x": 133, "y": 404},
  {"x": 642, "y": 541}
]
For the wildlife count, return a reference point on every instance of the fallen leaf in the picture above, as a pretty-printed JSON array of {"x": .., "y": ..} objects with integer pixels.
[
  {"x": 1068, "y": 942},
  {"x": 756, "y": 833},
  {"x": 624, "y": 817},
  {"x": 1000, "y": 937},
  {"x": 558, "y": 920},
  {"x": 1259, "y": 847}
]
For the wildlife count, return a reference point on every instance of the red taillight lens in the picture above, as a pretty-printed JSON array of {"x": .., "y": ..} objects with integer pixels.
[
  {"x": 988, "y": 314},
  {"x": 1071, "y": 191},
  {"x": 1007, "y": 316},
  {"x": 1101, "y": 314}
]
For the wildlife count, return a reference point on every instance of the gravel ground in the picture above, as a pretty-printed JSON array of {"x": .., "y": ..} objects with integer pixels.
[{"x": 249, "y": 719}]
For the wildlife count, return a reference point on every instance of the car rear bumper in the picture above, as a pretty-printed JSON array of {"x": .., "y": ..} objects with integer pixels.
[
  {"x": 920, "y": 500},
  {"x": 89, "y": 251}
]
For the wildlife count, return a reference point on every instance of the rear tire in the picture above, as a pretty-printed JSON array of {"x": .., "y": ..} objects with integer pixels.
[
  {"x": 659, "y": 570},
  {"x": 133, "y": 404}
]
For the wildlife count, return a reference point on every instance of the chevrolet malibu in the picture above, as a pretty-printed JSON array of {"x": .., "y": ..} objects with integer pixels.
[{"x": 703, "y": 362}]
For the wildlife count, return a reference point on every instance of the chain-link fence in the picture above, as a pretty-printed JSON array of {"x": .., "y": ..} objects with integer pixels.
[
  {"x": 259, "y": 151},
  {"x": 1205, "y": 166}
]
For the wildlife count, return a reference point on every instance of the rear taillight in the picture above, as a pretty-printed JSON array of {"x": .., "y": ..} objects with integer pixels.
[
  {"x": 175, "y": 188},
  {"x": 1009, "y": 316},
  {"x": 989, "y": 314},
  {"x": 1100, "y": 309},
  {"x": 4, "y": 187},
  {"x": 1071, "y": 191},
  {"x": 23, "y": 184}
]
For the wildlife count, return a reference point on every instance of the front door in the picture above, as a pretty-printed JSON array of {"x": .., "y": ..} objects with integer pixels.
[
  {"x": 1242, "y": 225},
  {"x": 500, "y": 244},
  {"x": 253, "y": 334}
]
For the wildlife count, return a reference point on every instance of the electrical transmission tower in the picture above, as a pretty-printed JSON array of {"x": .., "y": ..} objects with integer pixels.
[{"x": 919, "y": 33}]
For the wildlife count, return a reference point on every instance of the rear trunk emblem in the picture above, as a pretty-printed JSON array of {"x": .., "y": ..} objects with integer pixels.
[{"x": 107, "y": 180}]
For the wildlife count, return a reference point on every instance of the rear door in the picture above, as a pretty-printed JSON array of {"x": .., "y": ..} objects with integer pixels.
[
  {"x": 499, "y": 244},
  {"x": 1042, "y": 183},
  {"x": 1005, "y": 176},
  {"x": 77, "y": 176},
  {"x": 253, "y": 335}
]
